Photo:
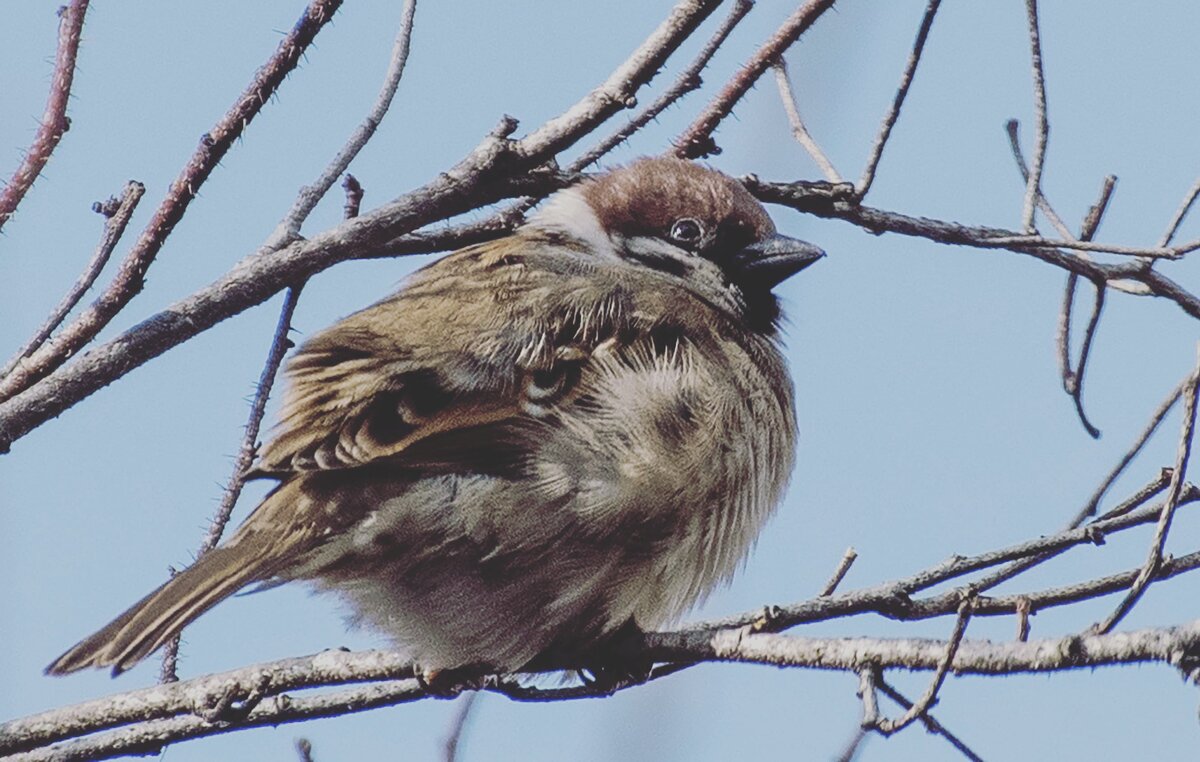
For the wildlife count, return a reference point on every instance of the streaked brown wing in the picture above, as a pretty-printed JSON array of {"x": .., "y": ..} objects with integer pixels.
[{"x": 476, "y": 338}]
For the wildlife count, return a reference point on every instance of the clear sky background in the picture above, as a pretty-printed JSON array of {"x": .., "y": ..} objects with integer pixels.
[{"x": 932, "y": 418}]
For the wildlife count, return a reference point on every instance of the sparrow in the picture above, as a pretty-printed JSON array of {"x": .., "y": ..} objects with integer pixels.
[{"x": 537, "y": 443}]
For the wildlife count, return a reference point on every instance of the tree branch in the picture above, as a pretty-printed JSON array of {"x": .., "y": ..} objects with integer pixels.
[
  {"x": 54, "y": 122},
  {"x": 696, "y": 141},
  {"x": 213, "y": 146}
]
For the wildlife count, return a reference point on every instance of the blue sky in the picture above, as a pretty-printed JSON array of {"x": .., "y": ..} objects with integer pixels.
[{"x": 932, "y": 419}]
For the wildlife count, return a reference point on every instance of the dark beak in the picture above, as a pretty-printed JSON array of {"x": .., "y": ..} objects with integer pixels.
[{"x": 771, "y": 261}]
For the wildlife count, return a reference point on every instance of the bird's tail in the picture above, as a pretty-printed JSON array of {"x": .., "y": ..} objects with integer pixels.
[{"x": 161, "y": 615}]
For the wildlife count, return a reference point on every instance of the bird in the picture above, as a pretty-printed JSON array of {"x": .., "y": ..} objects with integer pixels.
[{"x": 537, "y": 443}]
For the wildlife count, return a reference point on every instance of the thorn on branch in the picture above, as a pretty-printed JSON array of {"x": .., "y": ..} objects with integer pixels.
[
  {"x": 1023, "y": 610},
  {"x": 354, "y": 196}
]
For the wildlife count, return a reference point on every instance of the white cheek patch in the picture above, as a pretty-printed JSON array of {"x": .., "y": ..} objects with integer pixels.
[{"x": 567, "y": 211}]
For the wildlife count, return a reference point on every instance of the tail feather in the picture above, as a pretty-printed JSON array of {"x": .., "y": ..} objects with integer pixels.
[{"x": 161, "y": 615}]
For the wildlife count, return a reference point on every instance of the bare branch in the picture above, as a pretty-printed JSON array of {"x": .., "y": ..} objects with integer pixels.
[
  {"x": 1074, "y": 380},
  {"x": 1062, "y": 337},
  {"x": 1175, "y": 491},
  {"x": 929, "y": 697},
  {"x": 1012, "y": 127},
  {"x": 255, "y": 696},
  {"x": 280, "y": 343},
  {"x": 696, "y": 141},
  {"x": 458, "y": 727},
  {"x": 1184, "y": 207},
  {"x": 54, "y": 123},
  {"x": 893, "y": 599},
  {"x": 117, "y": 213},
  {"x": 787, "y": 94},
  {"x": 497, "y": 168},
  {"x": 687, "y": 82},
  {"x": 307, "y": 200},
  {"x": 213, "y": 147},
  {"x": 1093, "y": 502},
  {"x": 893, "y": 113},
  {"x": 619, "y": 90},
  {"x": 1033, "y": 187},
  {"x": 1143, "y": 495},
  {"x": 839, "y": 573},
  {"x": 1091, "y": 221},
  {"x": 836, "y": 202},
  {"x": 1071, "y": 378},
  {"x": 855, "y": 744},
  {"x": 932, "y": 725}
]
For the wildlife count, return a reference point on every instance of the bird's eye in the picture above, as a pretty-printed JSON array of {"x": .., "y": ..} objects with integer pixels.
[{"x": 687, "y": 231}]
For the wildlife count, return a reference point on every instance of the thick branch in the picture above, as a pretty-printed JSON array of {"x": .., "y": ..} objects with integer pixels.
[{"x": 256, "y": 696}]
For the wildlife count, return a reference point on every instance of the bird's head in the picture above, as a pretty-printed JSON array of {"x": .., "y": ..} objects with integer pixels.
[{"x": 689, "y": 222}]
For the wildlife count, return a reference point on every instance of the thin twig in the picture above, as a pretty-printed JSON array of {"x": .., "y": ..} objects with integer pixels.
[
  {"x": 1095, "y": 213},
  {"x": 868, "y": 680},
  {"x": 1074, "y": 381},
  {"x": 1062, "y": 337},
  {"x": 54, "y": 123},
  {"x": 1071, "y": 379},
  {"x": 854, "y": 745},
  {"x": 893, "y": 113},
  {"x": 839, "y": 573},
  {"x": 458, "y": 726},
  {"x": 1184, "y": 207},
  {"x": 1143, "y": 495},
  {"x": 894, "y": 599},
  {"x": 787, "y": 94},
  {"x": 688, "y": 81},
  {"x": 1034, "y": 187},
  {"x": 1039, "y": 241},
  {"x": 1164, "y": 407},
  {"x": 931, "y": 724},
  {"x": 696, "y": 141},
  {"x": 280, "y": 343},
  {"x": 213, "y": 146},
  {"x": 1154, "y": 559},
  {"x": 929, "y": 697},
  {"x": 1012, "y": 127},
  {"x": 310, "y": 195},
  {"x": 117, "y": 213}
]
